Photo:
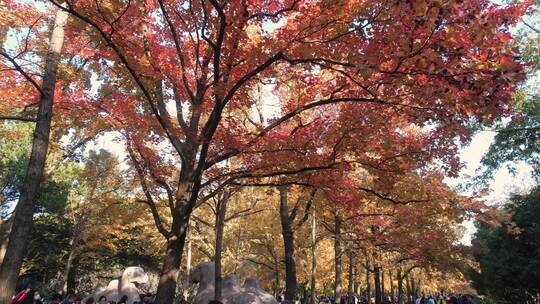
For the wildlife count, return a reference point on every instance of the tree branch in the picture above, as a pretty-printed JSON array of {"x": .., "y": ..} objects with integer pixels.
[
  {"x": 138, "y": 81},
  {"x": 389, "y": 199},
  {"x": 150, "y": 201},
  {"x": 18, "y": 118},
  {"x": 288, "y": 116},
  {"x": 21, "y": 71},
  {"x": 276, "y": 13}
]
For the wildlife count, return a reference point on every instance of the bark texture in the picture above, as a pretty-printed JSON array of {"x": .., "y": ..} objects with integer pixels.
[
  {"x": 288, "y": 240},
  {"x": 313, "y": 257},
  {"x": 24, "y": 212},
  {"x": 220, "y": 224},
  {"x": 338, "y": 262},
  {"x": 171, "y": 263}
]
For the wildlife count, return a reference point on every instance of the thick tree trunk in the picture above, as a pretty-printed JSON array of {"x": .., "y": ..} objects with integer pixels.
[
  {"x": 24, "y": 212},
  {"x": 313, "y": 256},
  {"x": 377, "y": 277},
  {"x": 288, "y": 240},
  {"x": 338, "y": 252},
  {"x": 5, "y": 229},
  {"x": 171, "y": 263},
  {"x": 220, "y": 224}
]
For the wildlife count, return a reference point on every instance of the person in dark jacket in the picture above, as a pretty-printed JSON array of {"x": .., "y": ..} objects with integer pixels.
[{"x": 123, "y": 299}]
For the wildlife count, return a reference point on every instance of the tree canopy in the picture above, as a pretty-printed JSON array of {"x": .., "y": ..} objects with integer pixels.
[
  {"x": 356, "y": 107},
  {"x": 509, "y": 269}
]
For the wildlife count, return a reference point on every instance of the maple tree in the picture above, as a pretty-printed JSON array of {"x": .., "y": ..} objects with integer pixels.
[
  {"x": 382, "y": 85},
  {"x": 514, "y": 139},
  {"x": 416, "y": 223},
  {"x": 419, "y": 236}
]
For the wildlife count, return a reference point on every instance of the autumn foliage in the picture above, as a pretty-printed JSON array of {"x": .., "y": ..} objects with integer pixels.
[{"x": 365, "y": 100}]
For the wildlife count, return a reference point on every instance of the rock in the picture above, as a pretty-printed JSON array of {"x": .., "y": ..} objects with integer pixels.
[
  {"x": 127, "y": 285},
  {"x": 232, "y": 291}
]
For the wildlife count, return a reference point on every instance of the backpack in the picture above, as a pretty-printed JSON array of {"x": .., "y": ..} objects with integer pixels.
[{"x": 20, "y": 297}]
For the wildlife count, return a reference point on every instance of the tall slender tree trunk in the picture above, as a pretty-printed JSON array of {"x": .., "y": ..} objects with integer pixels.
[
  {"x": 78, "y": 229},
  {"x": 288, "y": 240},
  {"x": 383, "y": 289},
  {"x": 409, "y": 288},
  {"x": 368, "y": 281},
  {"x": 391, "y": 279},
  {"x": 185, "y": 288},
  {"x": 351, "y": 272},
  {"x": 338, "y": 253},
  {"x": 399, "y": 286},
  {"x": 313, "y": 256},
  {"x": 238, "y": 246},
  {"x": 24, "y": 212},
  {"x": 71, "y": 280},
  {"x": 356, "y": 280},
  {"x": 68, "y": 272},
  {"x": 377, "y": 277},
  {"x": 277, "y": 277},
  {"x": 220, "y": 224},
  {"x": 413, "y": 287}
]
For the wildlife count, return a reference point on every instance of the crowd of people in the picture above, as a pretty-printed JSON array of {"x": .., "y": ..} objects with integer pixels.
[
  {"x": 423, "y": 299},
  {"x": 30, "y": 296},
  {"x": 441, "y": 299}
]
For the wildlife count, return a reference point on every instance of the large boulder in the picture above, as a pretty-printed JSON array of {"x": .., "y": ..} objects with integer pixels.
[
  {"x": 232, "y": 291},
  {"x": 127, "y": 286}
]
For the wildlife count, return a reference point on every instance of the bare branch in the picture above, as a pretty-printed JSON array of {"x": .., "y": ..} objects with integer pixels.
[
  {"x": 531, "y": 27},
  {"x": 21, "y": 71},
  {"x": 308, "y": 207},
  {"x": 245, "y": 212},
  {"x": 219, "y": 39},
  {"x": 277, "y": 13},
  {"x": 178, "y": 47},
  {"x": 157, "y": 219},
  {"x": 18, "y": 118},
  {"x": 288, "y": 116},
  {"x": 131, "y": 70},
  {"x": 389, "y": 199},
  {"x": 200, "y": 220},
  {"x": 150, "y": 201}
]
